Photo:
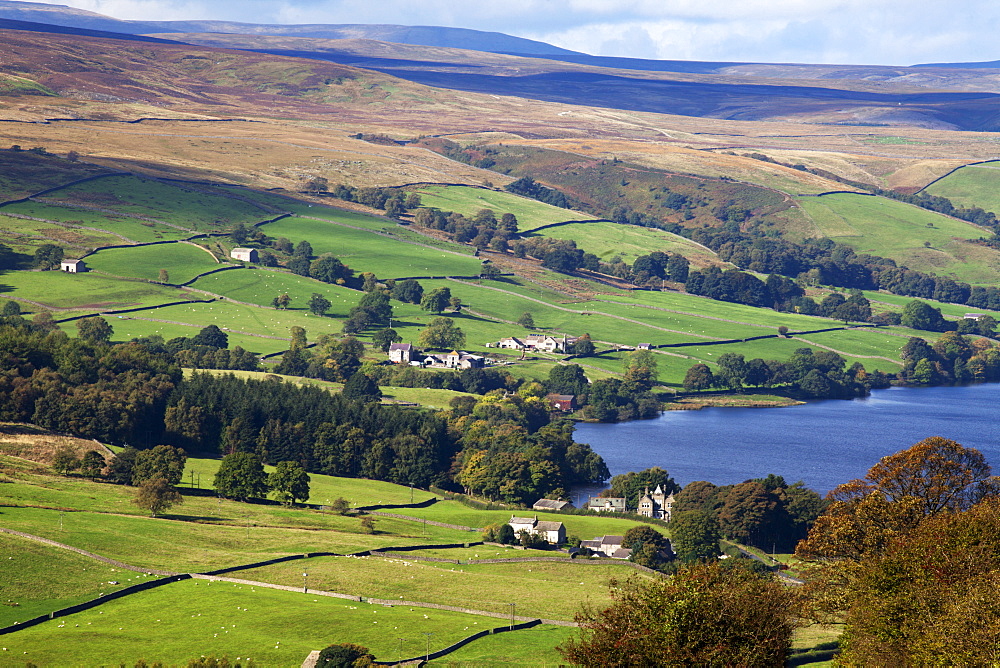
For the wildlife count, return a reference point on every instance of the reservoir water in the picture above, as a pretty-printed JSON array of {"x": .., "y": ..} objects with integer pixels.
[{"x": 823, "y": 443}]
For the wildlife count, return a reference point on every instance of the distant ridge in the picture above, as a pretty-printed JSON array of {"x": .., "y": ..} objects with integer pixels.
[
  {"x": 459, "y": 38},
  {"x": 991, "y": 64},
  {"x": 10, "y": 24}
]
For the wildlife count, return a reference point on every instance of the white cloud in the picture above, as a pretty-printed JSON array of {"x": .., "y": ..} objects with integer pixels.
[{"x": 819, "y": 31}]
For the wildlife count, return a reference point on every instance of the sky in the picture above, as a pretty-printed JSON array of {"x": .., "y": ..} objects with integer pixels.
[{"x": 875, "y": 32}]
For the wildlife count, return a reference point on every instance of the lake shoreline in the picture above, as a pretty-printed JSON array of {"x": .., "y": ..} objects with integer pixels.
[{"x": 824, "y": 442}]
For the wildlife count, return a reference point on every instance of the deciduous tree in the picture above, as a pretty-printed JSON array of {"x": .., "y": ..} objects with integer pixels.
[
  {"x": 384, "y": 338},
  {"x": 156, "y": 495},
  {"x": 436, "y": 301},
  {"x": 92, "y": 464},
  {"x": 706, "y": 614},
  {"x": 163, "y": 461},
  {"x": 241, "y": 476},
  {"x": 695, "y": 535},
  {"x": 318, "y": 304},
  {"x": 290, "y": 482},
  {"x": 442, "y": 333},
  {"x": 48, "y": 256},
  {"x": 95, "y": 329}
]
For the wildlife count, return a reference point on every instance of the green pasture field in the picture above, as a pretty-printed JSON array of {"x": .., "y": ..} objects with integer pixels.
[
  {"x": 390, "y": 227},
  {"x": 428, "y": 398},
  {"x": 133, "y": 327},
  {"x": 409, "y": 234},
  {"x": 975, "y": 185},
  {"x": 536, "y": 370},
  {"x": 467, "y": 201},
  {"x": 36, "y": 578},
  {"x": 172, "y": 204},
  {"x": 496, "y": 301},
  {"x": 952, "y": 311},
  {"x": 182, "y": 261},
  {"x": 355, "y": 219},
  {"x": 607, "y": 321},
  {"x": 549, "y": 590},
  {"x": 193, "y": 618},
  {"x": 362, "y": 250},
  {"x": 203, "y": 534},
  {"x": 31, "y": 234},
  {"x": 88, "y": 291},
  {"x": 130, "y": 228},
  {"x": 41, "y": 491},
  {"x": 243, "y": 318},
  {"x": 259, "y": 286},
  {"x": 324, "y": 212},
  {"x": 533, "y": 647},
  {"x": 899, "y": 231},
  {"x": 323, "y": 488},
  {"x": 860, "y": 342},
  {"x": 606, "y": 240}
]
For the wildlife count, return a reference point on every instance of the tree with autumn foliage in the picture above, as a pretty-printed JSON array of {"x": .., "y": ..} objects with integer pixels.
[
  {"x": 713, "y": 614},
  {"x": 931, "y": 598},
  {"x": 934, "y": 476},
  {"x": 909, "y": 558}
]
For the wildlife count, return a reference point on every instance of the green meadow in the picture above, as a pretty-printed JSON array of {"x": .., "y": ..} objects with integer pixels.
[
  {"x": 193, "y": 618},
  {"x": 363, "y": 250},
  {"x": 243, "y": 318},
  {"x": 606, "y": 240},
  {"x": 975, "y": 185},
  {"x": 131, "y": 228},
  {"x": 260, "y": 286},
  {"x": 915, "y": 237},
  {"x": 29, "y": 234},
  {"x": 548, "y": 590},
  {"x": 163, "y": 201},
  {"x": 182, "y": 261},
  {"x": 39, "y": 578},
  {"x": 898, "y": 302},
  {"x": 88, "y": 291},
  {"x": 467, "y": 201}
]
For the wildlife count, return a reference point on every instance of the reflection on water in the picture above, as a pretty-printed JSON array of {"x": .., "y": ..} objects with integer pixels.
[{"x": 823, "y": 443}]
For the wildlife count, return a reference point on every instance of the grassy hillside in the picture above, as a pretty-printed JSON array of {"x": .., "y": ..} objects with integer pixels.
[
  {"x": 125, "y": 229},
  {"x": 975, "y": 185},
  {"x": 606, "y": 240},
  {"x": 468, "y": 201},
  {"x": 182, "y": 262},
  {"x": 920, "y": 239},
  {"x": 194, "y": 617},
  {"x": 375, "y": 244},
  {"x": 363, "y": 250},
  {"x": 167, "y": 202}
]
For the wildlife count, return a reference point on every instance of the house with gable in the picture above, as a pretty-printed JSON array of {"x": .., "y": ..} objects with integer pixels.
[
  {"x": 657, "y": 505},
  {"x": 611, "y": 504},
  {"x": 72, "y": 266},
  {"x": 609, "y": 546},
  {"x": 562, "y": 402},
  {"x": 553, "y": 532},
  {"x": 402, "y": 353},
  {"x": 511, "y": 343}
]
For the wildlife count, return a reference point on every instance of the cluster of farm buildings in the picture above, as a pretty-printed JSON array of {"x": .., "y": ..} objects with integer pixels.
[{"x": 656, "y": 504}]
